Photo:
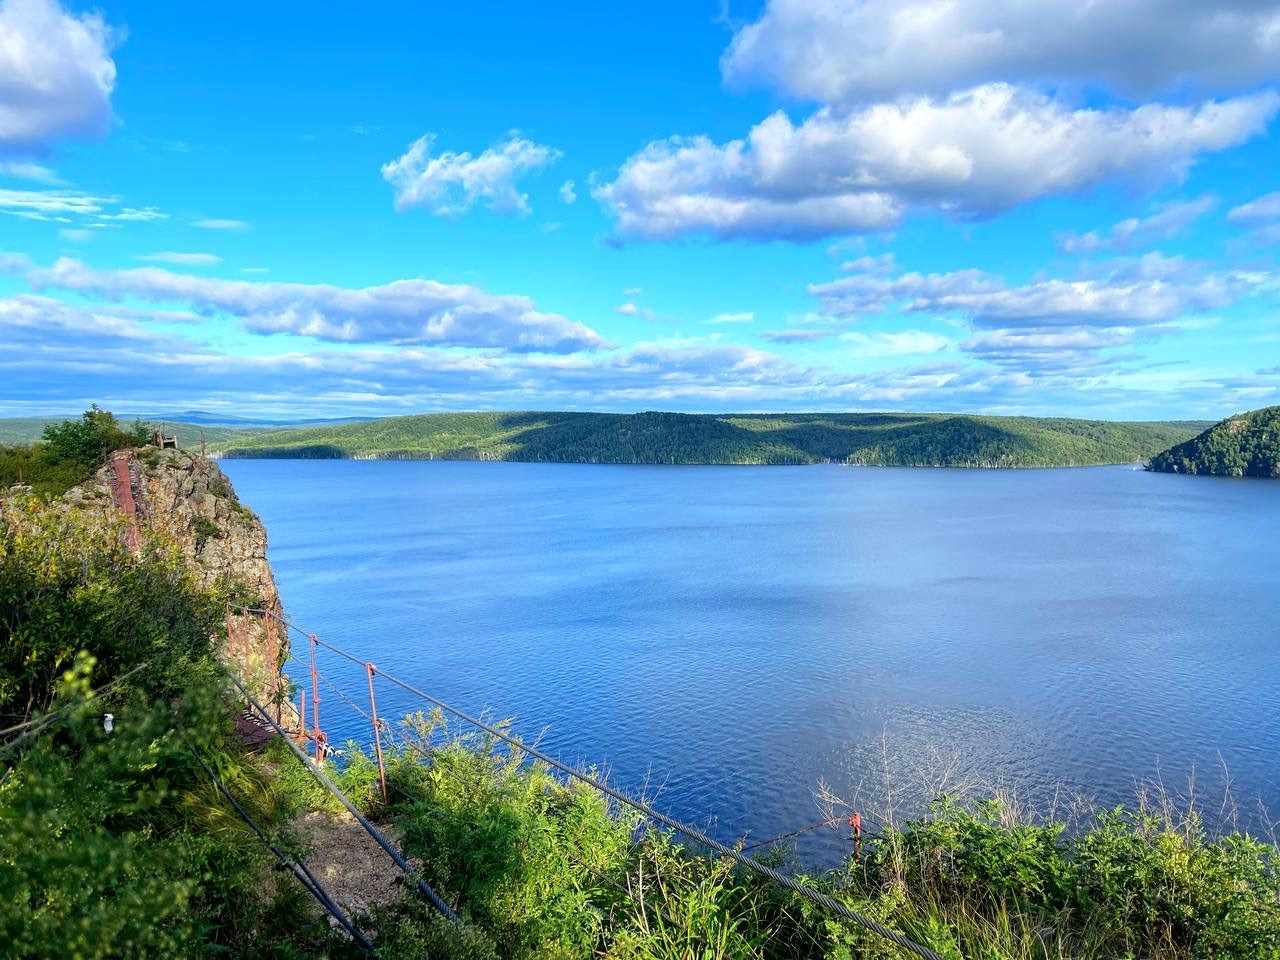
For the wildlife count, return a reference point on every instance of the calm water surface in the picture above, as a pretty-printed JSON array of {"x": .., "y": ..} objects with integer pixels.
[{"x": 733, "y": 635}]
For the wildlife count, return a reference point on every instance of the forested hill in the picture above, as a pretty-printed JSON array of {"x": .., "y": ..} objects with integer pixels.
[
  {"x": 888, "y": 439},
  {"x": 1247, "y": 445}
]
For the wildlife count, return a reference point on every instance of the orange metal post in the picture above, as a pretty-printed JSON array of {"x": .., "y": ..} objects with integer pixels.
[
  {"x": 302, "y": 714},
  {"x": 377, "y": 734},
  {"x": 315, "y": 696}
]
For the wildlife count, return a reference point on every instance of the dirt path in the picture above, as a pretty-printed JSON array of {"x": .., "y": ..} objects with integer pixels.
[{"x": 349, "y": 863}]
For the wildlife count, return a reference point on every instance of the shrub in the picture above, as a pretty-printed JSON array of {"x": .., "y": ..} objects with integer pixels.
[{"x": 87, "y": 440}]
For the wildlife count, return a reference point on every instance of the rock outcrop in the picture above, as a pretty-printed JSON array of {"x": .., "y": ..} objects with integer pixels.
[{"x": 188, "y": 498}]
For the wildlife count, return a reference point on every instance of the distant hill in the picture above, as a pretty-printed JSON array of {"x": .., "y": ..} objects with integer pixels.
[
  {"x": 186, "y": 425},
  {"x": 24, "y": 430},
  {"x": 204, "y": 418},
  {"x": 889, "y": 439},
  {"x": 1246, "y": 445}
]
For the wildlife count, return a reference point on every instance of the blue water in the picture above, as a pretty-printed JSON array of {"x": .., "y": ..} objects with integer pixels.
[{"x": 731, "y": 636}]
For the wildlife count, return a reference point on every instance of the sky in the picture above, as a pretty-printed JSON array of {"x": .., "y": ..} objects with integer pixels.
[{"x": 993, "y": 206}]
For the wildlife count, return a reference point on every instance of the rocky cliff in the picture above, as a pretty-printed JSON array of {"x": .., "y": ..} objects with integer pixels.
[{"x": 190, "y": 499}]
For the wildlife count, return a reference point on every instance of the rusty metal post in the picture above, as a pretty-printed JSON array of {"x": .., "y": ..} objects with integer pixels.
[
  {"x": 273, "y": 665},
  {"x": 302, "y": 714},
  {"x": 315, "y": 696},
  {"x": 377, "y": 734}
]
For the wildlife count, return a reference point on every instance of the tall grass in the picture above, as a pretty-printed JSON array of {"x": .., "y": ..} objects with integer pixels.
[{"x": 542, "y": 868}]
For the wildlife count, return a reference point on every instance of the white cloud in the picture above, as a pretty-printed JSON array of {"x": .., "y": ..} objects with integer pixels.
[
  {"x": 746, "y": 316},
  {"x": 59, "y": 205},
  {"x": 76, "y": 236},
  {"x": 215, "y": 224},
  {"x": 56, "y": 75},
  {"x": 1128, "y": 293},
  {"x": 632, "y": 309},
  {"x": 633, "y": 292},
  {"x": 567, "y": 193},
  {"x": 893, "y": 344},
  {"x": 866, "y": 51},
  {"x": 182, "y": 259},
  {"x": 27, "y": 170},
  {"x": 1257, "y": 211},
  {"x": 973, "y": 154},
  {"x": 401, "y": 312},
  {"x": 1169, "y": 220},
  {"x": 451, "y": 183},
  {"x": 136, "y": 214},
  {"x": 255, "y": 269},
  {"x": 799, "y": 334}
]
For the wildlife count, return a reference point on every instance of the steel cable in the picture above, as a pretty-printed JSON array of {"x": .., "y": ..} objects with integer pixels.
[
  {"x": 296, "y": 867},
  {"x": 373, "y": 831},
  {"x": 804, "y": 890}
]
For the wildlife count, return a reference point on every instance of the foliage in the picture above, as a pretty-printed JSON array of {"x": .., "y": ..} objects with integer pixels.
[
  {"x": 548, "y": 869},
  {"x": 879, "y": 439},
  {"x": 115, "y": 843},
  {"x": 1247, "y": 445},
  {"x": 71, "y": 450},
  {"x": 67, "y": 582},
  {"x": 88, "y": 440},
  {"x": 27, "y": 430},
  {"x": 33, "y": 466}
]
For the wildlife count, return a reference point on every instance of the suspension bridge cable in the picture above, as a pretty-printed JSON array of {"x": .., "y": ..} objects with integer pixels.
[
  {"x": 804, "y": 890},
  {"x": 373, "y": 831},
  {"x": 296, "y": 867}
]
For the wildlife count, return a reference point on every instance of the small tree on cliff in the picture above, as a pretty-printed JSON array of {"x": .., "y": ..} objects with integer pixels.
[{"x": 87, "y": 440}]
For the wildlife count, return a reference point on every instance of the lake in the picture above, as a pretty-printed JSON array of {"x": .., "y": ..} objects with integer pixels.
[{"x": 731, "y": 636}]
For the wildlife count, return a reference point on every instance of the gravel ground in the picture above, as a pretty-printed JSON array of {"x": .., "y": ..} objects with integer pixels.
[{"x": 348, "y": 862}]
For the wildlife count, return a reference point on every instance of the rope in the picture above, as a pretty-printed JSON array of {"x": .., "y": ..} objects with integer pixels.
[
  {"x": 320, "y": 775},
  {"x": 769, "y": 873},
  {"x": 297, "y": 868}
]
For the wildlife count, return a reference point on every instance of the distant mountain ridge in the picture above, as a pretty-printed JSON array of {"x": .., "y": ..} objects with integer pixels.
[
  {"x": 1245, "y": 445},
  {"x": 885, "y": 439}
]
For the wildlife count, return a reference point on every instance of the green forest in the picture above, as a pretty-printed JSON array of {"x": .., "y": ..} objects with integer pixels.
[
  {"x": 1247, "y": 445},
  {"x": 879, "y": 439}
]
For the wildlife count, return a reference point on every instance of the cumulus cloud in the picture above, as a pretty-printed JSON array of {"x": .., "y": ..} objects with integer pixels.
[
  {"x": 50, "y": 351},
  {"x": 401, "y": 312},
  {"x": 62, "y": 356},
  {"x": 973, "y": 154},
  {"x": 449, "y": 184},
  {"x": 866, "y": 51},
  {"x": 182, "y": 259},
  {"x": 1169, "y": 220},
  {"x": 1152, "y": 289},
  {"x": 56, "y": 75},
  {"x": 746, "y": 316},
  {"x": 567, "y": 192}
]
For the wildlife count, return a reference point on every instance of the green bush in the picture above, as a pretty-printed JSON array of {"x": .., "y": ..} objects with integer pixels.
[
  {"x": 88, "y": 440},
  {"x": 116, "y": 843}
]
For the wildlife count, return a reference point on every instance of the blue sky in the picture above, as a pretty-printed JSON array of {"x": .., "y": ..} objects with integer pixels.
[{"x": 1003, "y": 207}]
